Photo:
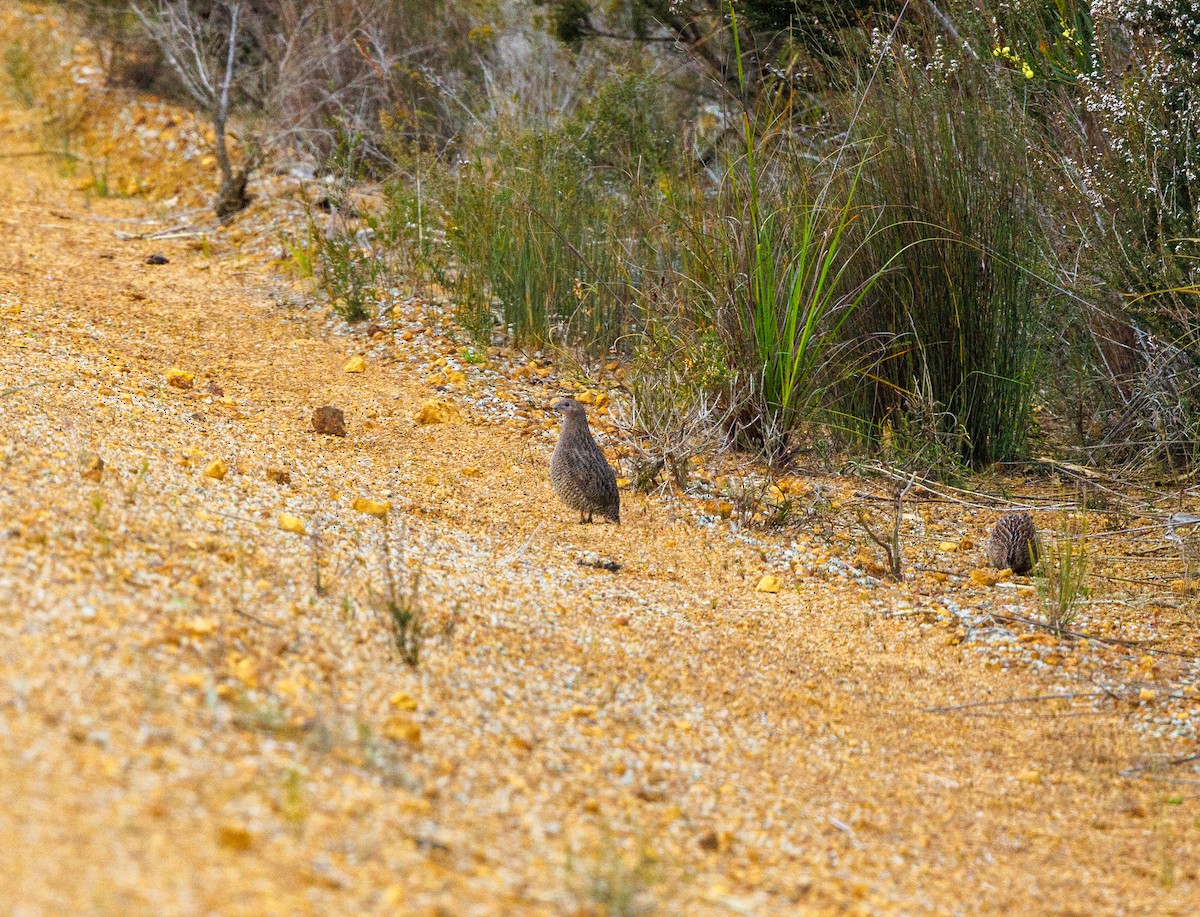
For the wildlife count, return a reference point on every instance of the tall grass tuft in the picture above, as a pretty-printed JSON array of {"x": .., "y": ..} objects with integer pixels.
[
  {"x": 541, "y": 245},
  {"x": 965, "y": 297},
  {"x": 19, "y": 69},
  {"x": 548, "y": 228},
  {"x": 771, "y": 261},
  {"x": 801, "y": 290}
]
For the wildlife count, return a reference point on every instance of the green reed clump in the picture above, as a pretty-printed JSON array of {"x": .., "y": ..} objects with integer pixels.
[{"x": 962, "y": 302}]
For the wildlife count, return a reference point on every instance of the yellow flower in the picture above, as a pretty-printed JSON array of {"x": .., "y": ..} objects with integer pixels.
[
  {"x": 482, "y": 35},
  {"x": 1027, "y": 70}
]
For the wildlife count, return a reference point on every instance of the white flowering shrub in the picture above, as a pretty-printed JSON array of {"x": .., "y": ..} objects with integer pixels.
[
  {"x": 1137, "y": 164},
  {"x": 1126, "y": 135}
]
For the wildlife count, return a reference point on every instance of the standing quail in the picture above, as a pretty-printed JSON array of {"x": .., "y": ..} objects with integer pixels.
[
  {"x": 581, "y": 475},
  {"x": 1013, "y": 543}
]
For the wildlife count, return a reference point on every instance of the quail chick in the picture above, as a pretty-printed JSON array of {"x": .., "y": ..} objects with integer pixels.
[
  {"x": 579, "y": 472},
  {"x": 1013, "y": 543}
]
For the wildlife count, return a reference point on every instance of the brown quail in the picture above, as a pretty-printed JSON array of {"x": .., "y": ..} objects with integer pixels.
[
  {"x": 1013, "y": 543},
  {"x": 580, "y": 473}
]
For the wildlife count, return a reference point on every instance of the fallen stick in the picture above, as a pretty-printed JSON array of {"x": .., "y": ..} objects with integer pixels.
[{"x": 1016, "y": 700}]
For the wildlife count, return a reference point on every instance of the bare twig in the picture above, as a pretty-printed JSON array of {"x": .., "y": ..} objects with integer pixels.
[
  {"x": 1036, "y": 698},
  {"x": 20, "y": 388},
  {"x": 948, "y": 25},
  {"x": 1095, "y": 638},
  {"x": 256, "y": 619},
  {"x": 891, "y": 548}
]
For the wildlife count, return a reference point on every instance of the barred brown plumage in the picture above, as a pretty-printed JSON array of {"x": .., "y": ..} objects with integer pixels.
[
  {"x": 579, "y": 472},
  {"x": 1013, "y": 543}
]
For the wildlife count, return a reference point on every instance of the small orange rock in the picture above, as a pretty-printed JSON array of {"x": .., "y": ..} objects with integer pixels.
[
  {"x": 402, "y": 700},
  {"x": 199, "y": 627},
  {"x": 769, "y": 584},
  {"x": 402, "y": 729},
  {"x": 293, "y": 524},
  {"x": 437, "y": 411},
  {"x": 371, "y": 507},
  {"x": 94, "y": 470},
  {"x": 985, "y": 578},
  {"x": 235, "y": 837},
  {"x": 179, "y": 378}
]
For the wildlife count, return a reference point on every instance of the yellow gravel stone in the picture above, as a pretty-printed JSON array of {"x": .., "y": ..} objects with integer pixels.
[
  {"x": 179, "y": 378},
  {"x": 769, "y": 583},
  {"x": 371, "y": 507},
  {"x": 200, "y": 626},
  {"x": 437, "y": 411},
  {"x": 403, "y": 729},
  {"x": 402, "y": 700},
  {"x": 293, "y": 524}
]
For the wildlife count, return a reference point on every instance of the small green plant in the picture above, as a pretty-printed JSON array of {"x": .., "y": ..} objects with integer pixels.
[
  {"x": 100, "y": 185},
  {"x": 617, "y": 882},
  {"x": 300, "y": 256},
  {"x": 293, "y": 800},
  {"x": 1061, "y": 571},
  {"x": 19, "y": 68},
  {"x": 401, "y": 604},
  {"x": 408, "y": 629},
  {"x": 348, "y": 272},
  {"x": 98, "y": 521},
  {"x": 131, "y": 493}
]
